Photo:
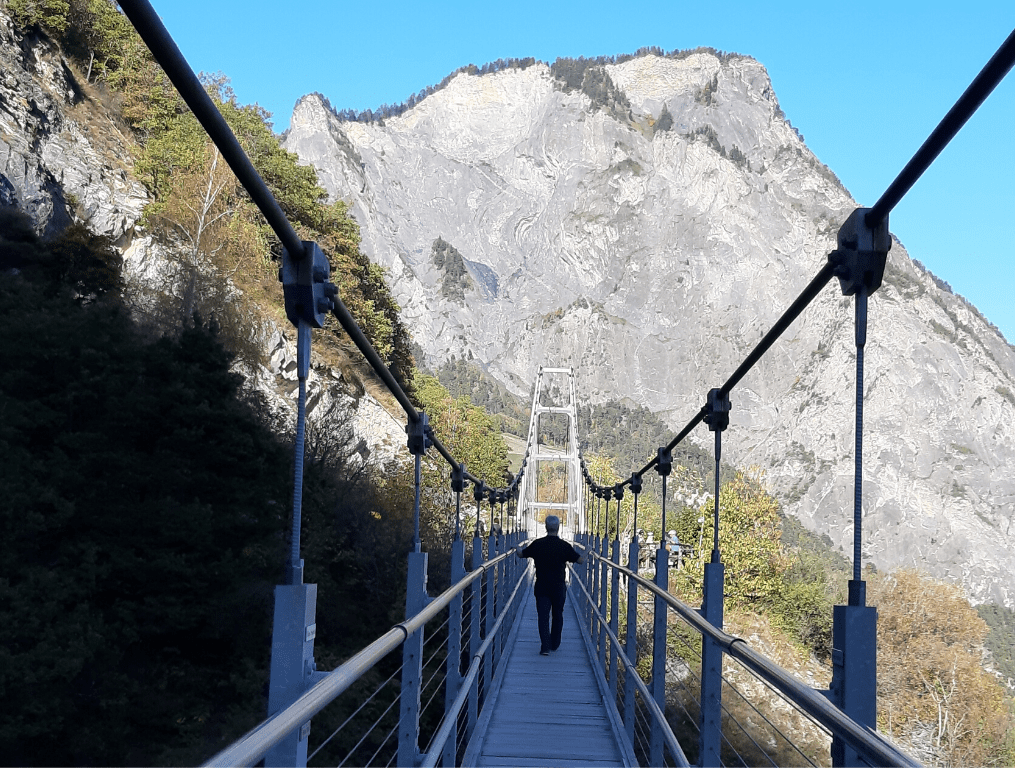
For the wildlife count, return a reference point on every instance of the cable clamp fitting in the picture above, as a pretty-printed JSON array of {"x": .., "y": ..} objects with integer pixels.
[
  {"x": 619, "y": 491},
  {"x": 459, "y": 478},
  {"x": 717, "y": 417},
  {"x": 636, "y": 483},
  {"x": 859, "y": 261},
  {"x": 664, "y": 464},
  {"x": 308, "y": 296},
  {"x": 418, "y": 431}
]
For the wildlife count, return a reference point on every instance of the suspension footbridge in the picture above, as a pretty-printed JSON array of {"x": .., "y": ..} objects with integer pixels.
[{"x": 641, "y": 677}]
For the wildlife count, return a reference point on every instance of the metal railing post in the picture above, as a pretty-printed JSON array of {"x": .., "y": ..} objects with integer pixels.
[
  {"x": 659, "y": 651},
  {"x": 291, "y": 665},
  {"x": 711, "y": 668},
  {"x": 629, "y": 705},
  {"x": 607, "y": 494},
  {"x": 412, "y": 663},
  {"x": 717, "y": 419},
  {"x": 860, "y": 264},
  {"x": 490, "y": 658},
  {"x": 453, "y": 673},
  {"x": 475, "y": 638},
  {"x": 415, "y": 600},
  {"x": 613, "y": 672}
]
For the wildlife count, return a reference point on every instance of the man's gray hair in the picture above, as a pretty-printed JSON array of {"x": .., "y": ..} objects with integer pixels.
[{"x": 551, "y": 523}]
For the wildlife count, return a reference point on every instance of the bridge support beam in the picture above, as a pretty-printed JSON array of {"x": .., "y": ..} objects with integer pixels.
[
  {"x": 613, "y": 622},
  {"x": 854, "y": 668},
  {"x": 412, "y": 664},
  {"x": 657, "y": 754},
  {"x": 291, "y": 664},
  {"x": 629, "y": 705},
  {"x": 453, "y": 676},
  {"x": 475, "y": 638},
  {"x": 711, "y": 668}
]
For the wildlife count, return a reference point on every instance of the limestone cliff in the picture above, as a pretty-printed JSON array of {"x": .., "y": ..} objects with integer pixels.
[
  {"x": 650, "y": 246},
  {"x": 64, "y": 156}
]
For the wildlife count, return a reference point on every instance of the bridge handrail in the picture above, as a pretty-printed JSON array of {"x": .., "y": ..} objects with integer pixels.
[
  {"x": 641, "y": 687},
  {"x": 451, "y": 717},
  {"x": 261, "y": 739},
  {"x": 865, "y": 741}
]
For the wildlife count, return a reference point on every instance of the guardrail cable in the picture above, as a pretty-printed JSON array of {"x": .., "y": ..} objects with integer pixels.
[
  {"x": 770, "y": 723},
  {"x": 751, "y": 739},
  {"x": 368, "y": 732},
  {"x": 372, "y": 760},
  {"x": 359, "y": 709}
]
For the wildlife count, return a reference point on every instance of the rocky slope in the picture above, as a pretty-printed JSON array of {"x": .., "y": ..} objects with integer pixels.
[
  {"x": 61, "y": 155},
  {"x": 64, "y": 157},
  {"x": 648, "y": 235}
]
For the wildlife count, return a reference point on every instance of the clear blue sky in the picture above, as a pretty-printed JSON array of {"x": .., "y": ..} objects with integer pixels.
[{"x": 865, "y": 83}]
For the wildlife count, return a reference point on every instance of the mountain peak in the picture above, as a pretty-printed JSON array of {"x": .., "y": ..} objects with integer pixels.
[{"x": 646, "y": 221}]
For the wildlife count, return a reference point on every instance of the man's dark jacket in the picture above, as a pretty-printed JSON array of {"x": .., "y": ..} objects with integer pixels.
[{"x": 550, "y": 554}]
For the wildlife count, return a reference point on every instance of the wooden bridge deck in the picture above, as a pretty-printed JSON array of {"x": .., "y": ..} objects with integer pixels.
[{"x": 547, "y": 710}]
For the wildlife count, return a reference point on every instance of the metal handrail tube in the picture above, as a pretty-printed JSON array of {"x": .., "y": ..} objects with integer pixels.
[
  {"x": 433, "y": 752},
  {"x": 254, "y": 745},
  {"x": 990, "y": 76},
  {"x": 641, "y": 686},
  {"x": 864, "y": 740}
]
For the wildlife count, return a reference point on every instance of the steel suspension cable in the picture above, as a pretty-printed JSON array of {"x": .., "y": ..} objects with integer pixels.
[
  {"x": 169, "y": 57},
  {"x": 990, "y": 76}
]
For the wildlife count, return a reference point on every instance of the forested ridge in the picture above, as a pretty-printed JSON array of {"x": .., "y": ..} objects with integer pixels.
[{"x": 147, "y": 497}]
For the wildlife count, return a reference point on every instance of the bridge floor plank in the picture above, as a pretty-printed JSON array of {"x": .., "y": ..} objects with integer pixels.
[{"x": 548, "y": 709}]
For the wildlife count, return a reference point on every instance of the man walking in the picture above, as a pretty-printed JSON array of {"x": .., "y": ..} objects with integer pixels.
[{"x": 550, "y": 555}]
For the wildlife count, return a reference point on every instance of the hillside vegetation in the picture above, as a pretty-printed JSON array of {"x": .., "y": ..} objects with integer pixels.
[
  {"x": 149, "y": 494},
  {"x": 148, "y": 497}
]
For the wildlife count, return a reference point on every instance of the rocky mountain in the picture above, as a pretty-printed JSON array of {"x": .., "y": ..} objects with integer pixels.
[
  {"x": 65, "y": 156},
  {"x": 646, "y": 222},
  {"x": 61, "y": 155}
]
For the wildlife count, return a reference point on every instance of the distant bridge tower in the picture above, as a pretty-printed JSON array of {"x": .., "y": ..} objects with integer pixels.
[{"x": 554, "y": 396}]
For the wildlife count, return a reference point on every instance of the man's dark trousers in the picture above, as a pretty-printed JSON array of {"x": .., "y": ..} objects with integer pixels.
[{"x": 550, "y": 603}]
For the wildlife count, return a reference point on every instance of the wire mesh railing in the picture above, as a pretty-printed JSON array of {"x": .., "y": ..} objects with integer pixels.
[
  {"x": 459, "y": 650},
  {"x": 768, "y": 717}
]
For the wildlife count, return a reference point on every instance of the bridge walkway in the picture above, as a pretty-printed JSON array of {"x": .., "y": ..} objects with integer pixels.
[{"x": 548, "y": 710}]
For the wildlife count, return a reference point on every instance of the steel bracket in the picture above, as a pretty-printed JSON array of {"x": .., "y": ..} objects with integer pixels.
[{"x": 859, "y": 261}]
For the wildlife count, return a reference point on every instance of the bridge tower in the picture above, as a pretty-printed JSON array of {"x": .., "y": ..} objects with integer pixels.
[{"x": 554, "y": 395}]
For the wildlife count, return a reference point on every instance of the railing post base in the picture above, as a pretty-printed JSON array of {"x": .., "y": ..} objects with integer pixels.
[
  {"x": 854, "y": 670},
  {"x": 711, "y": 668},
  {"x": 291, "y": 664},
  {"x": 412, "y": 664}
]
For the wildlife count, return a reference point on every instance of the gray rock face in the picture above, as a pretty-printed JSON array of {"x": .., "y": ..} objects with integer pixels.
[
  {"x": 53, "y": 163},
  {"x": 652, "y": 253},
  {"x": 57, "y": 148}
]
